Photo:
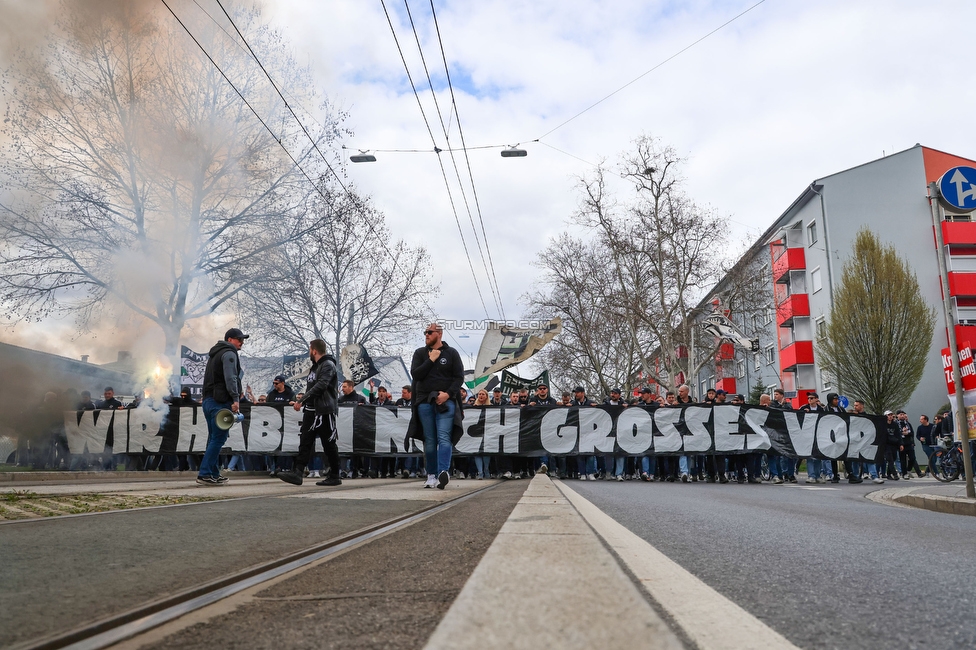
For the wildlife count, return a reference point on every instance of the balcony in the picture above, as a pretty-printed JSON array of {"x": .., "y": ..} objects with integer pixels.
[
  {"x": 792, "y": 259},
  {"x": 797, "y": 353},
  {"x": 725, "y": 352},
  {"x": 965, "y": 333},
  {"x": 797, "y": 304},
  {"x": 959, "y": 233},
  {"x": 962, "y": 284}
]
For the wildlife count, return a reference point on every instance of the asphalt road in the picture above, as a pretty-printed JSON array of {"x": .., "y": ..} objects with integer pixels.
[
  {"x": 825, "y": 567},
  {"x": 60, "y": 573}
]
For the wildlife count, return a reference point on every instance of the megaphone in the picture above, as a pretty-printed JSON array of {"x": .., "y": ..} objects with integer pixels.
[{"x": 226, "y": 418}]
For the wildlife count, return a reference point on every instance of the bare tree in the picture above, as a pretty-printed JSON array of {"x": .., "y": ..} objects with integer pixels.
[
  {"x": 136, "y": 175},
  {"x": 664, "y": 251},
  {"x": 880, "y": 327},
  {"x": 595, "y": 348},
  {"x": 345, "y": 281}
]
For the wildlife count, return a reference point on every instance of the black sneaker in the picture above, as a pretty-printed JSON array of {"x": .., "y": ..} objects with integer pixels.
[
  {"x": 221, "y": 479},
  {"x": 210, "y": 481},
  {"x": 329, "y": 482},
  {"x": 295, "y": 478},
  {"x": 442, "y": 480}
]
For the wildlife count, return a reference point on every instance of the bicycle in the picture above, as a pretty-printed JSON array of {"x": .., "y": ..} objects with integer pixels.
[{"x": 946, "y": 463}]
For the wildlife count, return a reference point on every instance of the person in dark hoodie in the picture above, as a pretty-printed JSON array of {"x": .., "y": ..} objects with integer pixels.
[
  {"x": 438, "y": 374},
  {"x": 319, "y": 419},
  {"x": 223, "y": 386}
]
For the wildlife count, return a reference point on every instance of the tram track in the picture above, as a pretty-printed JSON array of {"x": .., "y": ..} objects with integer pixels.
[{"x": 118, "y": 627}]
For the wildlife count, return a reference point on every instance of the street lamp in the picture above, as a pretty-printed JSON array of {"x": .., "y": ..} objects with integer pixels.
[
  {"x": 362, "y": 157},
  {"x": 513, "y": 152}
]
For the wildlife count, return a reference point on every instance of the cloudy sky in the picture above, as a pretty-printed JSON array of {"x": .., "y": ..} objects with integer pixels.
[{"x": 785, "y": 93}]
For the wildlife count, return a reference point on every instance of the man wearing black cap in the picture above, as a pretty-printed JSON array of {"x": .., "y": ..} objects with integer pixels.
[
  {"x": 497, "y": 399},
  {"x": 222, "y": 389},
  {"x": 281, "y": 393}
]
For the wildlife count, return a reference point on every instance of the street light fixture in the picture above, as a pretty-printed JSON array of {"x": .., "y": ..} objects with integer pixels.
[
  {"x": 362, "y": 157},
  {"x": 513, "y": 152}
]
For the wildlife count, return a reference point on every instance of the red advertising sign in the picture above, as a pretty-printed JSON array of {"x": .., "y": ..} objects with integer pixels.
[{"x": 967, "y": 365}]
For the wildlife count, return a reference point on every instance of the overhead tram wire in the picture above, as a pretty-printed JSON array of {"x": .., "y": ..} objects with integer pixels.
[
  {"x": 352, "y": 197},
  {"x": 644, "y": 74},
  {"x": 440, "y": 162},
  {"x": 485, "y": 263},
  {"x": 464, "y": 148}
]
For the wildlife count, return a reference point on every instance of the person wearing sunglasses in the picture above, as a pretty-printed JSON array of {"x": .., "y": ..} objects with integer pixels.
[{"x": 438, "y": 374}]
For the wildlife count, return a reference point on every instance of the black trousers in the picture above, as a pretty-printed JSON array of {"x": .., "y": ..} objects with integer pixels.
[{"x": 322, "y": 427}]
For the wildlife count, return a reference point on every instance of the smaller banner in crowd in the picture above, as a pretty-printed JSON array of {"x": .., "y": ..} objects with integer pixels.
[
  {"x": 512, "y": 382},
  {"x": 529, "y": 431},
  {"x": 295, "y": 368},
  {"x": 356, "y": 364},
  {"x": 192, "y": 366},
  {"x": 504, "y": 346}
]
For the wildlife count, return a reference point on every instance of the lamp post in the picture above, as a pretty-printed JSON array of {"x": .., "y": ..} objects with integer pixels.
[{"x": 962, "y": 422}]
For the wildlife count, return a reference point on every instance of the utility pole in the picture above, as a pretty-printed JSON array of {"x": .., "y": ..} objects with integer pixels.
[{"x": 962, "y": 424}]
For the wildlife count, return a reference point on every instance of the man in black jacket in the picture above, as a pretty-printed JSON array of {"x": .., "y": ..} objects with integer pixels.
[
  {"x": 438, "y": 374},
  {"x": 281, "y": 392},
  {"x": 319, "y": 419},
  {"x": 222, "y": 389}
]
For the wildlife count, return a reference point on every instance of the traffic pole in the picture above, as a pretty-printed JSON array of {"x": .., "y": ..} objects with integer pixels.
[{"x": 962, "y": 422}]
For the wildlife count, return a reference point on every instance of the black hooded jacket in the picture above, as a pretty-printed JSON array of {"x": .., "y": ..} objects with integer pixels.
[
  {"x": 321, "y": 392},
  {"x": 222, "y": 378}
]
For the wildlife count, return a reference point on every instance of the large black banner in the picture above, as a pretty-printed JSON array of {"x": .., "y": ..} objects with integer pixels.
[{"x": 529, "y": 431}]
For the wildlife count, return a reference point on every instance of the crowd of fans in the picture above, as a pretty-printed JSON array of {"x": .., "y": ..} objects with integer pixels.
[{"x": 45, "y": 446}]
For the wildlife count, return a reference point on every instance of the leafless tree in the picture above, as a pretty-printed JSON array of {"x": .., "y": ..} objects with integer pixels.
[
  {"x": 347, "y": 281},
  {"x": 664, "y": 250},
  {"x": 135, "y": 175},
  {"x": 596, "y": 347}
]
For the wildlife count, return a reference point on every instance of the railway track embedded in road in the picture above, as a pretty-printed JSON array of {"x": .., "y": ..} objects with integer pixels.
[{"x": 138, "y": 620}]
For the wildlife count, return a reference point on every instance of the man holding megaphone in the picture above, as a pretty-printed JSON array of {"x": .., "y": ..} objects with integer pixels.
[
  {"x": 321, "y": 404},
  {"x": 222, "y": 388}
]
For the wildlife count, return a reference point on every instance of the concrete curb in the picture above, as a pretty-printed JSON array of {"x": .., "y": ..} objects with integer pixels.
[{"x": 939, "y": 503}]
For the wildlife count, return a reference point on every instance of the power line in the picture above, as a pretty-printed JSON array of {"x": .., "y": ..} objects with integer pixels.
[
  {"x": 467, "y": 159},
  {"x": 354, "y": 199},
  {"x": 489, "y": 275},
  {"x": 641, "y": 76},
  {"x": 430, "y": 132}
]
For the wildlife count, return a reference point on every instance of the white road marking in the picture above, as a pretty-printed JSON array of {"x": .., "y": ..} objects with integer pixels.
[{"x": 710, "y": 619}]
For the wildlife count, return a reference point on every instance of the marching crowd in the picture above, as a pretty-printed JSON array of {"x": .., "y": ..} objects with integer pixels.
[{"x": 50, "y": 450}]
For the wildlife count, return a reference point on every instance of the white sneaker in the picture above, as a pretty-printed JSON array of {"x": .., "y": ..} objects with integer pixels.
[
  {"x": 810, "y": 479},
  {"x": 431, "y": 481},
  {"x": 591, "y": 477},
  {"x": 582, "y": 477},
  {"x": 777, "y": 480},
  {"x": 543, "y": 469},
  {"x": 507, "y": 475},
  {"x": 620, "y": 477},
  {"x": 314, "y": 474},
  {"x": 684, "y": 478},
  {"x": 878, "y": 480}
]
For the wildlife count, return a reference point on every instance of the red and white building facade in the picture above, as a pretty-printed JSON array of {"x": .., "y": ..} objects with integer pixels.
[{"x": 804, "y": 251}]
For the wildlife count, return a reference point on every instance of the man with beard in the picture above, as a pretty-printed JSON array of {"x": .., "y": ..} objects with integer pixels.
[
  {"x": 319, "y": 417},
  {"x": 438, "y": 375},
  {"x": 222, "y": 389}
]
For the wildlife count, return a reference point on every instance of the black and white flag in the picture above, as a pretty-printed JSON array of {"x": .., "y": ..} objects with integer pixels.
[{"x": 357, "y": 366}]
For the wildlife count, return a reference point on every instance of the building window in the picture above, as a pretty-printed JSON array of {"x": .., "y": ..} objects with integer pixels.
[
  {"x": 812, "y": 233},
  {"x": 770, "y": 355},
  {"x": 821, "y": 328},
  {"x": 757, "y": 361},
  {"x": 826, "y": 380},
  {"x": 815, "y": 282},
  {"x": 769, "y": 315},
  {"x": 740, "y": 368}
]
